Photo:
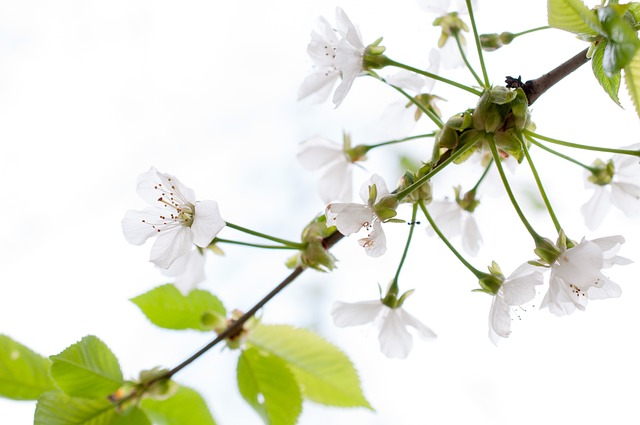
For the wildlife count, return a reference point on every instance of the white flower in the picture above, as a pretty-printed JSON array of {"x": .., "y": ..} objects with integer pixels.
[
  {"x": 452, "y": 220},
  {"x": 517, "y": 289},
  {"x": 351, "y": 217},
  {"x": 622, "y": 192},
  {"x": 336, "y": 54},
  {"x": 395, "y": 339},
  {"x": 336, "y": 181},
  {"x": 576, "y": 275},
  {"x": 175, "y": 218},
  {"x": 187, "y": 270}
]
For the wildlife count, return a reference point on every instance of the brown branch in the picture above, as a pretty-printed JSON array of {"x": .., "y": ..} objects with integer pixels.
[{"x": 535, "y": 88}]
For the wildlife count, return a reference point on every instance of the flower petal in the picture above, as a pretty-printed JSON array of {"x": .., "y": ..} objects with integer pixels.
[
  {"x": 335, "y": 184},
  {"x": 188, "y": 271},
  {"x": 381, "y": 188},
  {"x": 499, "y": 319},
  {"x": 596, "y": 208},
  {"x": 319, "y": 152},
  {"x": 206, "y": 223},
  {"x": 519, "y": 288},
  {"x": 410, "y": 320},
  {"x": 471, "y": 237},
  {"x": 348, "y": 217},
  {"x": 135, "y": 226},
  {"x": 626, "y": 196},
  {"x": 355, "y": 314},
  {"x": 170, "y": 245},
  {"x": 395, "y": 340},
  {"x": 375, "y": 244}
]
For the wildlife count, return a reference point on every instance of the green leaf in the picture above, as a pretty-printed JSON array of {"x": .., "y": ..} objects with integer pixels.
[
  {"x": 167, "y": 308},
  {"x": 185, "y": 407},
  {"x": 573, "y": 16},
  {"x": 622, "y": 40},
  {"x": 269, "y": 387},
  {"x": 24, "y": 375},
  {"x": 58, "y": 408},
  {"x": 632, "y": 80},
  {"x": 325, "y": 374},
  {"x": 610, "y": 84},
  {"x": 87, "y": 369}
]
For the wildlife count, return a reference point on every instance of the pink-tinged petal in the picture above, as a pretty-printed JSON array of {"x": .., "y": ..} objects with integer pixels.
[
  {"x": 348, "y": 217},
  {"x": 136, "y": 227},
  {"x": 520, "y": 287},
  {"x": 596, "y": 208},
  {"x": 170, "y": 245},
  {"x": 206, "y": 223},
  {"x": 317, "y": 85},
  {"x": 355, "y": 314},
  {"x": 375, "y": 244},
  {"x": 188, "y": 271},
  {"x": 410, "y": 320},
  {"x": 319, "y": 152},
  {"x": 335, "y": 184},
  {"x": 395, "y": 340},
  {"x": 626, "y": 197},
  {"x": 381, "y": 188},
  {"x": 471, "y": 237},
  {"x": 499, "y": 319}
]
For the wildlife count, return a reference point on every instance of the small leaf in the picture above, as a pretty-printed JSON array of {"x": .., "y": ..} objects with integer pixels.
[
  {"x": 573, "y": 16},
  {"x": 57, "y": 408},
  {"x": 87, "y": 369},
  {"x": 610, "y": 84},
  {"x": 185, "y": 407},
  {"x": 269, "y": 387},
  {"x": 632, "y": 80},
  {"x": 24, "y": 375},
  {"x": 167, "y": 308},
  {"x": 622, "y": 40},
  {"x": 325, "y": 374}
]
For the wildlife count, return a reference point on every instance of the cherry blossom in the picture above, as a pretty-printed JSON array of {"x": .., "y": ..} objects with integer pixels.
[
  {"x": 187, "y": 270},
  {"x": 392, "y": 323},
  {"x": 350, "y": 218},
  {"x": 516, "y": 290},
  {"x": 621, "y": 189},
  {"x": 174, "y": 217},
  {"x": 337, "y": 54},
  {"x": 576, "y": 275}
]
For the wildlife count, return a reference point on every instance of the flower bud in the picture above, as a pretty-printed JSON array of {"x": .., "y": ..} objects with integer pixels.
[{"x": 491, "y": 42}]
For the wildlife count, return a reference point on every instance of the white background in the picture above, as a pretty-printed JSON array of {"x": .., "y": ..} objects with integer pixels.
[{"x": 94, "y": 93}]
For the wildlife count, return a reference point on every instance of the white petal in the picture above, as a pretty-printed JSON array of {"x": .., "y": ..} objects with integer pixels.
[
  {"x": 375, "y": 244},
  {"x": 520, "y": 287},
  {"x": 626, "y": 196},
  {"x": 410, "y": 320},
  {"x": 188, "y": 271},
  {"x": 596, "y": 208},
  {"x": 336, "y": 183},
  {"x": 348, "y": 30},
  {"x": 319, "y": 152},
  {"x": 448, "y": 218},
  {"x": 395, "y": 340},
  {"x": 437, "y": 7},
  {"x": 355, "y": 314},
  {"x": 499, "y": 319},
  {"x": 170, "y": 245},
  {"x": 471, "y": 238},
  {"x": 609, "y": 289},
  {"x": 317, "y": 85},
  {"x": 348, "y": 217},
  {"x": 206, "y": 223},
  {"x": 381, "y": 188},
  {"x": 136, "y": 231},
  {"x": 580, "y": 265}
]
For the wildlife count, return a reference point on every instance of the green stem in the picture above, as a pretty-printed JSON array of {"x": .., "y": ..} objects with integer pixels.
[
  {"x": 585, "y": 147},
  {"x": 505, "y": 182},
  {"x": 543, "y": 193},
  {"x": 455, "y": 252},
  {"x": 294, "y": 245},
  {"x": 484, "y": 174},
  {"x": 391, "y": 62},
  {"x": 466, "y": 61},
  {"x": 406, "y": 139},
  {"x": 546, "y": 27},
  {"x": 563, "y": 156},
  {"x": 394, "y": 285},
  {"x": 476, "y": 36},
  {"x": 253, "y": 245},
  {"x": 435, "y": 118},
  {"x": 422, "y": 180}
]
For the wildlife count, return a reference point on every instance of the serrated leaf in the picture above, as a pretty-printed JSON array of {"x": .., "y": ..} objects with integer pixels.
[
  {"x": 58, "y": 408},
  {"x": 24, "y": 374},
  {"x": 87, "y": 368},
  {"x": 325, "y": 374},
  {"x": 573, "y": 16},
  {"x": 268, "y": 385},
  {"x": 167, "y": 308},
  {"x": 622, "y": 41},
  {"x": 185, "y": 407},
  {"x": 610, "y": 84},
  {"x": 632, "y": 80}
]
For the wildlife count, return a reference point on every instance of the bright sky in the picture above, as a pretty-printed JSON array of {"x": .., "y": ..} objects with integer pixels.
[{"x": 94, "y": 93}]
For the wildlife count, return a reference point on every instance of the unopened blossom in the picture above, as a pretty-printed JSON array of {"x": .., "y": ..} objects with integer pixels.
[
  {"x": 337, "y": 55},
  {"x": 576, "y": 275},
  {"x": 337, "y": 164},
  {"x": 350, "y": 217},
  {"x": 617, "y": 185},
  {"x": 175, "y": 218},
  {"x": 392, "y": 323},
  {"x": 518, "y": 289},
  {"x": 453, "y": 221},
  {"x": 187, "y": 270}
]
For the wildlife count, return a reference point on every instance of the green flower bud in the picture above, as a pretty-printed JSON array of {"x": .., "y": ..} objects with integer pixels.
[
  {"x": 422, "y": 193},
  {"x": 468, "y": 202},
  {"x": 373, "y": 57},
  {"x": 602, "y": 173},
  {"x": 510, "y": 142},
  {"x": 491, "y": 42}
]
